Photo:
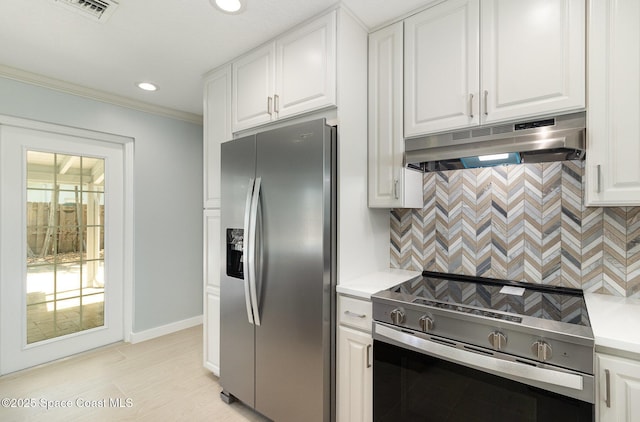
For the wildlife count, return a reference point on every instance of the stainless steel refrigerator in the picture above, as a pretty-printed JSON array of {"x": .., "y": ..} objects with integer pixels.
[{"x": 277, "y": 287}]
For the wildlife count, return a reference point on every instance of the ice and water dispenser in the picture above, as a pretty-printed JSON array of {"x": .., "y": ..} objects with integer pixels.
[{"x": 235, "y": 240}]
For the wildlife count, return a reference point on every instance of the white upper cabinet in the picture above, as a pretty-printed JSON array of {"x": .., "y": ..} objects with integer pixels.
[
  {"x": 533, "y": 57},
  {"x": 442, "y": 67},
  {"x": 217, "y": 129},
  {"x": 390, "y": 184},
  {"x": 471, "y": 62},
  {"x": 253, "y": 88},
  {"x": 612, "y": 173},
  {"x": 294, "y": 74},
  {"x": 306, "y": 68}
]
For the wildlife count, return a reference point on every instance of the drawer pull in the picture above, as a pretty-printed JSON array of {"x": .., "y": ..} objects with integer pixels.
[
  {"x": 607, "y": 399},
  {"x": 353, "y": 314}
]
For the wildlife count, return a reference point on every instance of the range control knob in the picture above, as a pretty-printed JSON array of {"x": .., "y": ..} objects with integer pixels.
[
  {"x": 542, "y": 350},
  {"x": 426, "y": 323},
  {"x": 497, "y": 340},
  {"x": 397, "y": 316}
]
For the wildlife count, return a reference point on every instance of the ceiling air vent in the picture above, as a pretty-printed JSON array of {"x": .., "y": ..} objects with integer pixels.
[{"x": 98, "y": 10}]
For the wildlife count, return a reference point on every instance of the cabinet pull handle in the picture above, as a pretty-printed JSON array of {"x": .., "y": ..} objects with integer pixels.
[
  {"x": 276, "y": 103},
  {"x": 395, "y": 188},
  {"x": 368, "y": 353},
  {"x": 598, "y": 179},
  {"x": 269, "y": 101},
  {"x": 471, "y": 106},
  {"x": 486, "y": 102},
  {"x": 607, "y": 377},
  {"x": 353, "y": 314}
]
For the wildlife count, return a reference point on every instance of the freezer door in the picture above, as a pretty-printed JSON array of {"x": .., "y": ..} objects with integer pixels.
[
  {"x": 237, "y": 336},
  {"x": 293, "y": 342}
]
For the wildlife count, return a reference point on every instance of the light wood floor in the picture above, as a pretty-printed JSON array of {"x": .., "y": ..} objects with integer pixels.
[{"x": 161, "y": 379}]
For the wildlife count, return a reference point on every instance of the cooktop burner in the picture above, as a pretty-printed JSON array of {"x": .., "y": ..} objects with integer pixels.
[
  {"x": 496, "y": 299},
  {"x": 516, "y": 318}
]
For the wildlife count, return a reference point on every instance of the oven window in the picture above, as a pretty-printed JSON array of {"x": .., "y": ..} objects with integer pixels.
[{"x": 410, "y": 386}]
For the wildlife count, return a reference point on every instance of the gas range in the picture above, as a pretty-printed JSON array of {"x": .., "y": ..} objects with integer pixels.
[
  {"x": 542, "y": 324},
  {"x": 515, "y": 339}
]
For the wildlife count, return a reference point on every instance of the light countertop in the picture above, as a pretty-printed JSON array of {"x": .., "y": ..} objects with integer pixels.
[
  {"x": 614, "y": 321},
  {"x": 364, "y": 287}
]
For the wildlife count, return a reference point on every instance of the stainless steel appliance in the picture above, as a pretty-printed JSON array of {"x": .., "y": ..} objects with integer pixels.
[
  {"x": 277, "y": 285},
  {"x": 455, "y": 348},
  {"x": 554, "y": 138}
]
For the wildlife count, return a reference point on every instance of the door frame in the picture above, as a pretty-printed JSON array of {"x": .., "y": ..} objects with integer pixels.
[{"x": 127, "y": 144}]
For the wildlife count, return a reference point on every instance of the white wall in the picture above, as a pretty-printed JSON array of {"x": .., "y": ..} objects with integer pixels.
[
  {"x": 167, "y": 194},
  {"x": 363, "y": 232}
]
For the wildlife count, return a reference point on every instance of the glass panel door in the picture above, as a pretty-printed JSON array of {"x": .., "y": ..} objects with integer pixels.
[{"x": 62, "y": 249}]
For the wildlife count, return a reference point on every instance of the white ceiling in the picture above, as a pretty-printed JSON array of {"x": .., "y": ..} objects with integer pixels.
[{"x": 172, "y": 43}]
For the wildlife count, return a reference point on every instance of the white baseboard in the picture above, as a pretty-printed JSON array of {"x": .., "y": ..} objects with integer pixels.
[{"x": 165, "y": 329}]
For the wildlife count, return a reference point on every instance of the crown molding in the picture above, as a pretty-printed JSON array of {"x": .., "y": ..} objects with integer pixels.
[{"x": 94, "y": 94}]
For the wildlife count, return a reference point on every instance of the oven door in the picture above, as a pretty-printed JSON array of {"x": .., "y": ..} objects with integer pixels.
[{"x": 417, "y": 377}]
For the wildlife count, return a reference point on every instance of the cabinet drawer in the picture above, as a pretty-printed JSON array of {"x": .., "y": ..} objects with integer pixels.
[{"x": 354, "y": 312}]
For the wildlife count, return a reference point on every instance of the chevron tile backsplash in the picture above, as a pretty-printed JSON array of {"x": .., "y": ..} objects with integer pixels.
[{"x": 522, "y": 222}]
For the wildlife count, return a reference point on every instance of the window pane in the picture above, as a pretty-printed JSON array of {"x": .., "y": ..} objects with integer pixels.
[
  {"x": 69, "y": 175},
  {"x": 93, "y": 174},
  {"x": 40, "y": 283},
  {"x": 93, "y": 275},
  {"x": 65, "y": 238},
  {"x": 92, "y": 311},
  {"x": 67, "y": 316},
  {"x": 40, "y": 170},
  {"x": 67, "y": 277},
  {"x": 40, "y": 323}
]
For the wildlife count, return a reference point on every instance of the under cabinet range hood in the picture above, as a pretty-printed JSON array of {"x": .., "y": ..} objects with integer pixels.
[{"x": 554, "y": 138}]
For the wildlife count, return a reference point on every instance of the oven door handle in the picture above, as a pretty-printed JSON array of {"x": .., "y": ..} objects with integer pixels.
[{"x": 478, "y": 361}]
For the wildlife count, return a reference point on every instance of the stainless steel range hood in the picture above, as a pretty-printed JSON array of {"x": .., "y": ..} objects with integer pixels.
[{"x": 548, "y": 139}]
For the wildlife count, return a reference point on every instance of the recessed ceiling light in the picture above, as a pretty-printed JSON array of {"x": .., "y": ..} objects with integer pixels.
[
  {"x": 229, "y": 6},
  {"x": 147, "y": 86}
]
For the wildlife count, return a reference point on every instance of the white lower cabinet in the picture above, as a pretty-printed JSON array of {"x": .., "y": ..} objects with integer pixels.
[
  {"x": 355, "y": 361},
  {"x": 618, "y": 397},
  {"x": 211, "y": 305},
  {"x": 212, "y": 343}
]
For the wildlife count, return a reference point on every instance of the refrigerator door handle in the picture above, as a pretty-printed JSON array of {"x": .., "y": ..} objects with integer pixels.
[
  {"x": 252, "y": 250},
  {"x": 246, "y": 247}
]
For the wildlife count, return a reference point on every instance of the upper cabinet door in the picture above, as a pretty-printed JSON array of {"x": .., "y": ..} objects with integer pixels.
[
  {"x": 390, "y": 184},
  {"x": 442, "y": 68},
  {"x": 306, "y": 67},
  {"x": 386, "y": 143},
  {"x": 612, "y": 174},
  {"x": 253, "y": 88},
  {"x": 533, "y": 57},
  {"x": 217, "y": 129}
]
